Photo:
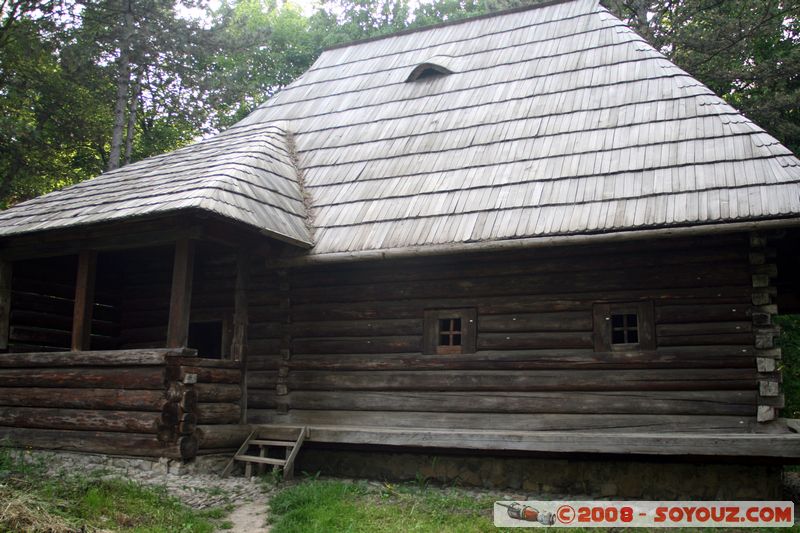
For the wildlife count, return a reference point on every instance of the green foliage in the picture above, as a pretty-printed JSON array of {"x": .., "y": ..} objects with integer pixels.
[
  {"x": 60, "y": 68},
  {"x": 36, "y": 500},
  {"x": 748, "y": 52},
  {"x": 790, "y": 364}
]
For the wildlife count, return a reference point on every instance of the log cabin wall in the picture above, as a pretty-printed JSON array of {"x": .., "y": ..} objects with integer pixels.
[
  {"x": 118, "y": 402},
  {"x": 342, "y": 344}
]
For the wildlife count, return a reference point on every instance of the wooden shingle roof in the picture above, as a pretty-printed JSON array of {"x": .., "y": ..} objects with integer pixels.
[
  {"x": 555, "y": 121},
  {"x": 246, "y": 174}
]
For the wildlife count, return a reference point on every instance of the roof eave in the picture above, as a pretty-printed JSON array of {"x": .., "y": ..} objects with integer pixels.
[{"x": 540, "y": 242}]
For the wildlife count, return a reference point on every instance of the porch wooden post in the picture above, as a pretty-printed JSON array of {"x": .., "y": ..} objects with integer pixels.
[
  {"x": 240, "y": 322},
  {"x": 180, "y": 301},
  {"x": 5, "y": 302},
  {"x": 84, "y": 301}
]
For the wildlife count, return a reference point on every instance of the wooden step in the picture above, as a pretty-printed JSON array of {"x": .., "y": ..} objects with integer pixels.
[
  {"x": 257, "y": 459},
  {"x": 261, "y": 442}
]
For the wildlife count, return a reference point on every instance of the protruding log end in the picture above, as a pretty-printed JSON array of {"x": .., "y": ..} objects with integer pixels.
[{"x": 188, "y": 446}]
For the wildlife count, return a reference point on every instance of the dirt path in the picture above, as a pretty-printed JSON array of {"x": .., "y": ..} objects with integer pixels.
[{"x": 250, "y": 517}]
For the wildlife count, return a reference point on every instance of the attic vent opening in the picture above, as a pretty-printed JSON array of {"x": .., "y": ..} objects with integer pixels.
[{"x": 428, "y": 70}]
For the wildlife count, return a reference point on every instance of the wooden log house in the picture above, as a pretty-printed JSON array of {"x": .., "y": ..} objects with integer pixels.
[{"x": 526, "y": 232}]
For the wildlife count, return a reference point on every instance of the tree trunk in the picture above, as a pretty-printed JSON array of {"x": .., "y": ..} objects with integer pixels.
[
  {"x": 123, "y": 83},
  {"x": 134, "y": 100}
]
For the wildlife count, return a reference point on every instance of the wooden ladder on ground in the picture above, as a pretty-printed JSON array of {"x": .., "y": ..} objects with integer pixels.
[{"x": 258, "y": 439}]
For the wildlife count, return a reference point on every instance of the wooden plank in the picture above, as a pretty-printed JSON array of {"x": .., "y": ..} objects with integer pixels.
[
  {"x": 180, "y": 302},
  {"x": 6, "y": 272},
  {"x": 84, "y": 301},
  {"x": 704, "y": 444},
  {"x": 741, "y": 403}
]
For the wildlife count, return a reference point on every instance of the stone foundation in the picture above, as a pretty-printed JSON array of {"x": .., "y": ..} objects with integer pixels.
[
  {"x": 607, "y": 478},
  {"x": 201, "y": 465}
]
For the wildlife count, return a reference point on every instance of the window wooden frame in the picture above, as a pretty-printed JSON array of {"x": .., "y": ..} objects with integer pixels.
[
  {"x": 469, "y": 328},
  {"x": 603, "y": 326}
]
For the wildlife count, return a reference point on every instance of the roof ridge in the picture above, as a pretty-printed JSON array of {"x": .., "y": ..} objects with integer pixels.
[{"x": 538, "y": 4}]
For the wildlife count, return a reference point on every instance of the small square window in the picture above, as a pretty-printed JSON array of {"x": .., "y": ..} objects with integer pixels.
[
  {"x": 450, "y": 331},
  {"x": 623, "y": 326}
]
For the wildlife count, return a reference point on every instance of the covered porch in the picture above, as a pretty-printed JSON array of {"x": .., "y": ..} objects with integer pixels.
[{"x": 125, "y": 339}]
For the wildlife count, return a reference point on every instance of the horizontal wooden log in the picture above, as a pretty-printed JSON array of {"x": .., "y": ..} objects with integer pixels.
[
  {"x": 263, "y": 362},
  {"x": 737, "y": 403},
  {"x": 152, "y": 377},
  {"x": 261, "y": 379},
  {"x": 218, "y": 392},
  {"x": 703, "y": 328},
  {"x": 670, "y": 357},
  {"x": 396, "y": 344},
  {"x": 91, "y": 398},
  {"x": 700, "y": 275},
  {"x": 106, "y": 442},
  {"x": 509, "y": 422},
  {"x": 724, "y": 339},
  {"x": 573, "y": 259},
  {"x": 692, "y": 314},
  {"x": 218, "y": 413},
  {"x": 222, "y": 435},
  {"x": 264, "y": 398},
  {"x": 263, "y": 346},
  {"x": 211, "y": 374},
  {"x": 79, "y": 419},
  {"x": 519, "y": 303},
  {"x": 536, "y": 322},
  {"x": 115, "y": 358},
  {"x": 523, "y": 341},
  {"x": 351, "y": 328},
  {"x": 203, "y": 362},
  {"x": 532, "y": 380}
]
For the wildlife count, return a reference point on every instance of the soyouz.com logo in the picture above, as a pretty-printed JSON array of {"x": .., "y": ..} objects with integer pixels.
[{"x": 642, "y": 514}]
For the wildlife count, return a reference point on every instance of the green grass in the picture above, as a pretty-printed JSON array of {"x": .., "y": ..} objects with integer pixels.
[
  {"x": 33, "y": 501},
  {"x": 790, "y": 364},
  {"x": 317, "y": 506},
  {"x": 325, "y": 506}
]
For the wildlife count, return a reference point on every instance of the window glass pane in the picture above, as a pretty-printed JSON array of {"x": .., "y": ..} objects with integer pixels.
[
  {"x": 444, "y": 324},
  {"x": 632, "y": 321},
  {"x": 617, "y": 321},
  {"x": 444, "y": 340},
  {"x": 633, "y": 336},
  {"x": 456, "y": 324},
  {"x": 618, "y": 337},
  {"x": 456, "y": 340}
]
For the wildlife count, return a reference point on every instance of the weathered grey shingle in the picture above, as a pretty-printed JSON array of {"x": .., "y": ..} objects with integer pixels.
[
  {"x": 246, "y": 174},
  {"x": 555, "y": 121}
]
